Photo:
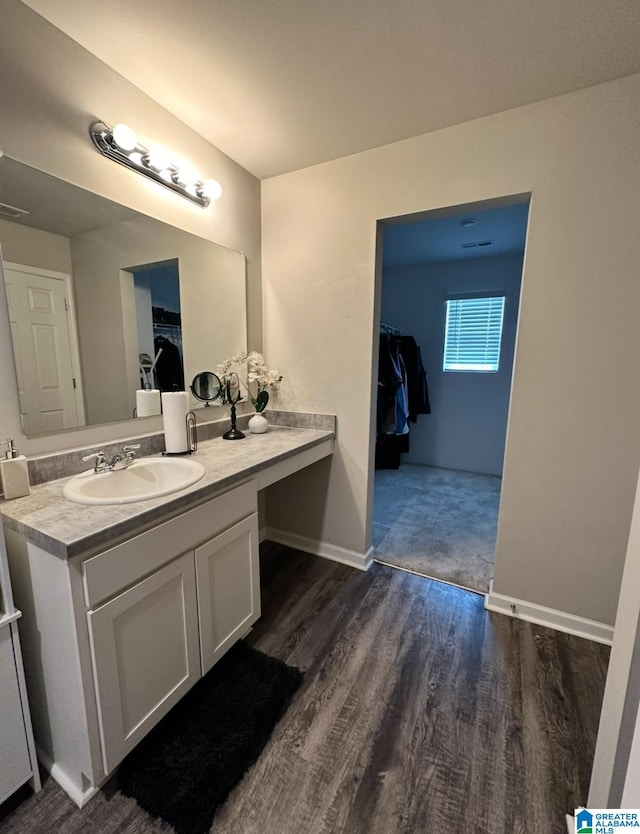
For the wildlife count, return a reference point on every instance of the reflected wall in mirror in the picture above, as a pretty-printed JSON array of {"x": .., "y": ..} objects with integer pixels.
[{"x": 92, "y": 287}]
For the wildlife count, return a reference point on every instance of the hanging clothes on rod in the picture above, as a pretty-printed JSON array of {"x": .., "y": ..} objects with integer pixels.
[
  {"x": 418, "y": 389},
  {"x": 169, "y": 371},
  {"x": 402, "y": 395}
]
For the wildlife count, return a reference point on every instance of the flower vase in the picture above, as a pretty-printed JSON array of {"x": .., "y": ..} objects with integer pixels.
[{"x": 258, "y": 424}]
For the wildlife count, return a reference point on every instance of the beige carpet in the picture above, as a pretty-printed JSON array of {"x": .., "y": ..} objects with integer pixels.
[{"x": 437, "y": 522}]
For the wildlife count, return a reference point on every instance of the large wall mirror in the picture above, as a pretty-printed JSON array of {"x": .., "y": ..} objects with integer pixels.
[{"x": 97, "y": 292}]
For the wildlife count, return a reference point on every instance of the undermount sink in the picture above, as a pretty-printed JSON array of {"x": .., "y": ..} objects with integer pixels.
[{"x": 143, "y": 479}]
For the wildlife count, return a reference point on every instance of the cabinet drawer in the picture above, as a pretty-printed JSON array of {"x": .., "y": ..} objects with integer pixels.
[{"x": 119, "y": 567}]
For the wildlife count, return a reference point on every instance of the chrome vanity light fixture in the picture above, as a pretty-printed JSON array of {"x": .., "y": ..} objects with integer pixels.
[{"x": 121, "y": 144}]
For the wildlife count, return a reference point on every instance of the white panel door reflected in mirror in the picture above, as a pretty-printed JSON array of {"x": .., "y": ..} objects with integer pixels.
[{"x": 45, "y": 349}]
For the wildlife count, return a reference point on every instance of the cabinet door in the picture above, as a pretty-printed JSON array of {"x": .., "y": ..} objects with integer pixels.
[
  {"x": 15, "y": 765},
  {"x": 228, "y": 578},
  {"x": 145, "y": 655}
]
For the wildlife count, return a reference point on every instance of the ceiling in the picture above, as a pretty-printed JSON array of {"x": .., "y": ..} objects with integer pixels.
[
  {"x": 52, "y": 204},
  {"x": 283, "y": 84},
  {"x": 471, "y": 233}
]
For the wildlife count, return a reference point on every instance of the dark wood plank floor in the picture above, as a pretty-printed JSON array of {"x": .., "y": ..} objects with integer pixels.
[{"x": 419, "y": 713}]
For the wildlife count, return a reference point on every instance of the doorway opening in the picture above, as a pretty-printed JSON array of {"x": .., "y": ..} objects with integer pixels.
[
  {"x": 159, "y": 325},
  {"x": 449, "y": 298}
]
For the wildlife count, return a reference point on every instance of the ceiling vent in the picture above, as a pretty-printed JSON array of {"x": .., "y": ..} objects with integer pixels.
[
  {"x": 12, "y": 212},
  {"x": 476, "y": 244}
]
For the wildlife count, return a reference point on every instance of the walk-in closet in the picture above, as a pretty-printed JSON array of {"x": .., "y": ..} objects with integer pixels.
[{"x": 448, "y": 321}]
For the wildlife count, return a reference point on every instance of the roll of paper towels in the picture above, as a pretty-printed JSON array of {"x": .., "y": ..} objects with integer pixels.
[
  {"x": 147, "y": 402},
  {"x": 175, "y": 406}
]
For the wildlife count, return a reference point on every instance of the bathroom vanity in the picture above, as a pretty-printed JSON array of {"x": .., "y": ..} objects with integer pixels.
[{"x": 127, "y": 606}]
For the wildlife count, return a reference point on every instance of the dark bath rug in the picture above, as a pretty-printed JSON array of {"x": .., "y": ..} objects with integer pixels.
[{"x": 187, "y": 765}]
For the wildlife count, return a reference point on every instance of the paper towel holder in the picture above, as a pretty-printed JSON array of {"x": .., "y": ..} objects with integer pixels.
[
  {"x": 192, "y": 436},
  {"x": 192, "y": 432}
]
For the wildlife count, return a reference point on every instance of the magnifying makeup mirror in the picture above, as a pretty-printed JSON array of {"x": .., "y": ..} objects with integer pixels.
[{"x": 206, "y": 387}]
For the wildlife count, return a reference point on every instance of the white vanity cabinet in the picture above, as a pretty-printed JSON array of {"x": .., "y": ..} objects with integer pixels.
[
  {"x": 145, "y": 654},
  {"x": 228, "y": 582},
  {"x": 16, "y": 766},
  {"x": 17, "y": 751},
  {"x": 153, "y": 639},
  {"x": 125, "y": 633}
]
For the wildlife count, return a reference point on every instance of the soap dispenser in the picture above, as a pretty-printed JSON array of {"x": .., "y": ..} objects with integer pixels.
[{"x": 14, "y": 472}]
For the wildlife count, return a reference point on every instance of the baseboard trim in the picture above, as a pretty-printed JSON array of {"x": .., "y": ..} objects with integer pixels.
[
  {"x": 531, "y": 612},
  {"x": 361, "y": 561},
  {"x": 67, "y": 784}
]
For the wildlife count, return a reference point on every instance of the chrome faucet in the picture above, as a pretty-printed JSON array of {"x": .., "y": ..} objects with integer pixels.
[
  {"x": 119, "y": 461},
  {"x": 124, "y": 458},
  {"x": 101, "y": 464}
]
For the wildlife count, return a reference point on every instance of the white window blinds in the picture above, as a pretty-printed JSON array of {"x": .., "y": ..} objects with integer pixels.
[{"x": 473, "y": 334}]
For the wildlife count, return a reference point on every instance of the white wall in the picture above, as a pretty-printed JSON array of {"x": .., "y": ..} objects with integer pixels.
[
  {"x": 144, "y": 313},
  {"x": 51, "y": 91},
  {"x": 572, "y": 452},
  {"x": 468, "y": 422}
]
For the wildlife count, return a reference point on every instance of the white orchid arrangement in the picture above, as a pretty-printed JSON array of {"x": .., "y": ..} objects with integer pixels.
[{"x": 257, "y": 373}]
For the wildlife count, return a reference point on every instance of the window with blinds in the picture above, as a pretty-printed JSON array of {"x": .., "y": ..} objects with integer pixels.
[{"x": 473, "y": 334}]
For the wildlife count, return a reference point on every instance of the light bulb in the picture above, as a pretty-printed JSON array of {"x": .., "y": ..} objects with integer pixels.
[
  {"x": 211, "y": 189},
  {"x": 158, "y": 158},
  {"x": 125, "y": 137},
  {"x": 187, "y": 174}
]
